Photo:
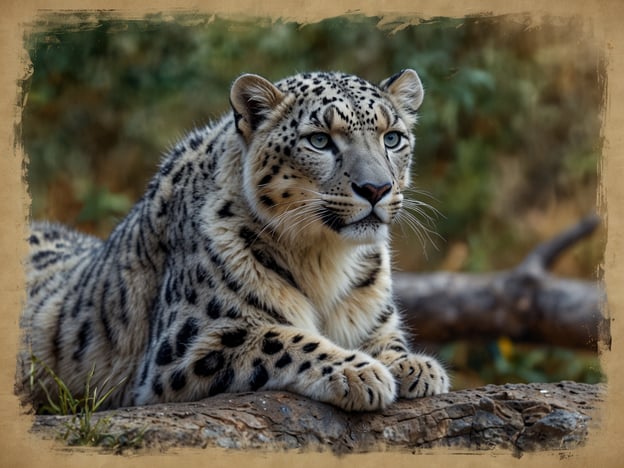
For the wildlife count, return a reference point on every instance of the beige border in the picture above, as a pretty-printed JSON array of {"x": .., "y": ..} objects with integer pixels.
[{"x": 19, "y": 448}]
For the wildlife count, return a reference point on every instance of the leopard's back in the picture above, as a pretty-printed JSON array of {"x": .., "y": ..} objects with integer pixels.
[{"x": 55, "y": 251}]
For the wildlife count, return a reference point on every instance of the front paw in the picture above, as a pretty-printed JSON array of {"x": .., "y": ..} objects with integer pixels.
[
  {"x": 418, "y": 375},
  {"x": 360, "y": 384},
  {"x": 370, "y": 387}
]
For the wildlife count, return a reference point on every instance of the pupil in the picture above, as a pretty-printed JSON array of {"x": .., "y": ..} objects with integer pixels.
[{"x": 320, "y": 140}]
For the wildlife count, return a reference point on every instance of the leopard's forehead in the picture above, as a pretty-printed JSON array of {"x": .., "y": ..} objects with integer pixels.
[
  {"x": 315, "y": 91},
  {"x": 326, "y": 86},
  {"x": 316, "y": 83}
]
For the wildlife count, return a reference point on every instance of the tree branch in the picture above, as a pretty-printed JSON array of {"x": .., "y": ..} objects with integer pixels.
[
  {"x": 515, "y": 417},
  {"x": 525, "y": 303},
  {"x": 546, "y": 253}
]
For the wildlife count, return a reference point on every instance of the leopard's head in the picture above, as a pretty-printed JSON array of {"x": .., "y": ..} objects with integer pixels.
[{"x": 327, "y": 153}]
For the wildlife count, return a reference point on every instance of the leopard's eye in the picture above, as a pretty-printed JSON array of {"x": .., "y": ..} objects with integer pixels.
[
  {"x": 319, "y": 140},
  {"x": 392, "y": 139}
]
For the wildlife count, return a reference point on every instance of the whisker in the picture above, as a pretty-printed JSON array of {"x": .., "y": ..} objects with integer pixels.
[
  {"x": 420, "y": 217},
  {"x": 294, "y": 216},
  {"x": 300, "y": 221},
  {"x": 426, "y": 209},
  {"x": 295, "y": 229},
  {"x": 420, "y": 193}
]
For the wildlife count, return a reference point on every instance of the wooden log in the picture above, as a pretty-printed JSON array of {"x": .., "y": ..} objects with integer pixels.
[
  {"x": 525, "y": 303},
  {"x": 516, "y": 417}
]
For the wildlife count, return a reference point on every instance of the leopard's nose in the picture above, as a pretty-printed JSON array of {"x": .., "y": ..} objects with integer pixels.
[{"x": 371, "y": 192}]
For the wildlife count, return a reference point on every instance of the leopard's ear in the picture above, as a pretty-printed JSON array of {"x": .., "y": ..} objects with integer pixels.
[
  {"x": 405, "y": 89},
  {"x": 252, "y": 98}
]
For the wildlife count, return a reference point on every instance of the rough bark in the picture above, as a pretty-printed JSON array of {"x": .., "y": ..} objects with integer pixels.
[
  {"x": 525, "y": 303},
  {"x": 516, "y": 417}
]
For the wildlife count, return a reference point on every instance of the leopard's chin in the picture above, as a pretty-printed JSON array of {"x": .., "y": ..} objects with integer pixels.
[{"x": 368, "y": 230}]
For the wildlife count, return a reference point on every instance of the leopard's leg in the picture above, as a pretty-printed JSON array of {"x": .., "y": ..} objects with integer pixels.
[
  {"x": 417, "y": 374},
  {"x": 260, "y": 356}
]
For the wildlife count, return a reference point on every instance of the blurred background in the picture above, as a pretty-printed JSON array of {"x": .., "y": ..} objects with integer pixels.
[{"x": 508, "y": 142}]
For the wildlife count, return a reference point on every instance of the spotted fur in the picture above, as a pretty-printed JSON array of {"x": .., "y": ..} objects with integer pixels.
[{"x": 257, "y": 259}]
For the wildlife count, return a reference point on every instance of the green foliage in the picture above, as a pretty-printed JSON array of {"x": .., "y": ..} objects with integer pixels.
[
  {"x": 99, "y": 202},
  {"x": 503, "y": 361},
  {"x": 82, "y": 428}
]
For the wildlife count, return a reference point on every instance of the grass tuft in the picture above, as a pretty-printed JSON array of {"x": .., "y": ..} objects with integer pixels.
[{"x": 82, "y": 428}]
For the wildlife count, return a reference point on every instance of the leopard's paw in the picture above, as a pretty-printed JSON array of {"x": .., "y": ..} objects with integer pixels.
[
  {"x": 361, "y": 383},
  {"x": 418, "y": 375}
]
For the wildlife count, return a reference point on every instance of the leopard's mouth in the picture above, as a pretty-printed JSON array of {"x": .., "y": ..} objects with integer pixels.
[
  {"x": 335, "y": 222},
  {"x": 370, "y": 220},
  {"x": 369, "y": 229}
]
